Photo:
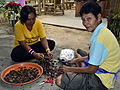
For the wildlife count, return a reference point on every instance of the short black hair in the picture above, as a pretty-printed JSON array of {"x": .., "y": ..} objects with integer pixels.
[
  {"x": 25, "y": 11},
  {"x": 90, "y": 7}
]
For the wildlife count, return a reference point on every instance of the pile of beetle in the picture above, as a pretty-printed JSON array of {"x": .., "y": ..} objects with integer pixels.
[
  {"x": 22, "y": 75},
  {"x": 50, "y": 67}
]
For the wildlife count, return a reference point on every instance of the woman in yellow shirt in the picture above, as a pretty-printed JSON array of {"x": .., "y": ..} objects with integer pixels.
[{"x": 30, "y": 37}]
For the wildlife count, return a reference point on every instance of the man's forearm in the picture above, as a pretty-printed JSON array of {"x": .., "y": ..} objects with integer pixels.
[{"x": 89, "y": 69}]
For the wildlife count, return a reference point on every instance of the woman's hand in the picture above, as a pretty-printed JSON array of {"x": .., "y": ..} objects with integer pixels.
[
  {"x": 50, "y": 55},
  {"x": 38, "y": 56}
]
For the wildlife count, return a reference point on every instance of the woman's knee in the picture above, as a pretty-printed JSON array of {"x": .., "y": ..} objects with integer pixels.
[
  {"x": 51, "y": 44},
  {"x": 13, "y": 55},
  {"x": 58, "y": 80},
  {"x": 18, "y": 54}
]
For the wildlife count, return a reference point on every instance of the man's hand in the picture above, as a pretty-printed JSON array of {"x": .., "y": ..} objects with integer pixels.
[
  {"x": 38, "y": 56},
  {"x": 65, "y": 69},
  {"x": 50, "y": 55},
  {"x": 75, "y": 60},
  {"x": 79, "y": 60}
]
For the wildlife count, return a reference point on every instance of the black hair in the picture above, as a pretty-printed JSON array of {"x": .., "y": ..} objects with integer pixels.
[
  {"x": 25, "y": 11},
  {"x": 90, "y": 7}
]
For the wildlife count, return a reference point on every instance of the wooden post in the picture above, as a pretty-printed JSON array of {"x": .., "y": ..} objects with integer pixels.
[
  {"x": 39, "y": 7},
  {"x": 78, "y": 7},
  {"x": 110, "y": 13}
]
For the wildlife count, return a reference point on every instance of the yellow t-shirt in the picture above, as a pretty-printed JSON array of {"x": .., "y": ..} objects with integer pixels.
[
  {"x": 112, "y": 61},
  {"x": 31, "y": 37}
]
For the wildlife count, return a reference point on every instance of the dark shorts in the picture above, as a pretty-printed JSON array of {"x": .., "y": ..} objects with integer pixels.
[{"x": 81, "y": 82}]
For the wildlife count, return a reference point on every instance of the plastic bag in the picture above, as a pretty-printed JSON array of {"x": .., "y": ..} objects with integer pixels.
[{"x": 66, "y": 55}]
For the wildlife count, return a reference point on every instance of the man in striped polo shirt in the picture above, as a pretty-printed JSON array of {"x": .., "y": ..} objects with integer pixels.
[{"x": 102, "y": 64}]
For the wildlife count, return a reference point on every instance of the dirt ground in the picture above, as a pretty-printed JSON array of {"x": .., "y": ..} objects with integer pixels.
[{"x": 68, "y": 38}]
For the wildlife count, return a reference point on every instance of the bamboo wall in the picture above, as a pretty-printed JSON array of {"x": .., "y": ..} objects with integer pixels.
[{"x": 116, "y": 5}]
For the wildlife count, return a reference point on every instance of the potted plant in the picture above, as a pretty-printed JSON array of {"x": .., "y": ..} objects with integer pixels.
[{"x": 13, "y": 10}]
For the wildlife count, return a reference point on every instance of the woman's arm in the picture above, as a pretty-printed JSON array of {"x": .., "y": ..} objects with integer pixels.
[
  {"x": 44, "y": 42},
  {"x": 45, "y": 45},
  {"x": 27, "y": 48},
  {"x": 24, "y": 45}
]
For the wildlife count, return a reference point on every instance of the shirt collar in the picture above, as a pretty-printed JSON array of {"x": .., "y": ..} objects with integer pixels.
[{"x": 96, "y": 31}]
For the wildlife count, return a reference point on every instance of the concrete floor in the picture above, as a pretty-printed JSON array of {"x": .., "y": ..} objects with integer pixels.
[{"x": 67, "y": 20}]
